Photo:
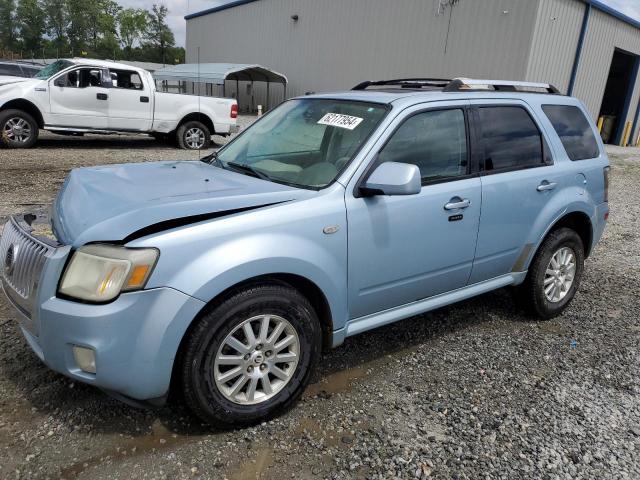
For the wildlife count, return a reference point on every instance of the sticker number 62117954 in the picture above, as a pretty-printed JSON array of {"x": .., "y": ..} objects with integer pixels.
[{"x": 340, "y": 120}]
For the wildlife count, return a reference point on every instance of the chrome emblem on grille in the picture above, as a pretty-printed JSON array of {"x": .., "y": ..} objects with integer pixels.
[{"x": 10, "y": 259}]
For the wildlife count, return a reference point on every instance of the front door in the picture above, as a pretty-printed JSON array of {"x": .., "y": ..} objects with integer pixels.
[
  {"x": 407, "y": 248},
  {"x": 80, "y": 99}
]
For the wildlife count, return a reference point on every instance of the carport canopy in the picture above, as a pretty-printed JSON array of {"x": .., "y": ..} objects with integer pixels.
[{"x": 218, "y": 73}]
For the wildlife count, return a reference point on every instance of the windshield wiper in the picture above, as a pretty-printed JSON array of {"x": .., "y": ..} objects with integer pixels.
[
  {"x": 212, "y": 159},
  {"x": 248, "y": 169}
]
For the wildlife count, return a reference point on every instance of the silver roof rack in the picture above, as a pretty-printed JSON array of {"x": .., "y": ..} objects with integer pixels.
[{"x": 466, "y": 84}]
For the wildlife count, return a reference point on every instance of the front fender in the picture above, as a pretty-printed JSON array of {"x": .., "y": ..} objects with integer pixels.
[
  {"x": 205, "y": 259},
  {"x": 238, "y": 260}
]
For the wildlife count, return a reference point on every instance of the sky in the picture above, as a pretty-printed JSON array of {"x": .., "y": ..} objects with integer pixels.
[{"x": 179, "y": 8}]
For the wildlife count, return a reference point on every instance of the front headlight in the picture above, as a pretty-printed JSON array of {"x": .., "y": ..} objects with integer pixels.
[{"x": 99, "y": 273}]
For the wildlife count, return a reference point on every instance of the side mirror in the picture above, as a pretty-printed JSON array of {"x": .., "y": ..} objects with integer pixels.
[
  {"x": 393, "y": 178},
  {"x": 59, "y": 82}
]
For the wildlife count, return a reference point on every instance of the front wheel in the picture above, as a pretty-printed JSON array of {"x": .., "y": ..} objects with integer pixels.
[
  {"x": 193, "y": 135},
  {"x": 251, "y": 357},
  {"x": 18, "y": 129},
  {"x": 555, "y": 274}
]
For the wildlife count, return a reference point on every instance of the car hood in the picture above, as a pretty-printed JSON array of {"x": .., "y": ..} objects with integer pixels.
[
  {"x": 121, "y": 202},
  {"x": 7, "y": 79}
]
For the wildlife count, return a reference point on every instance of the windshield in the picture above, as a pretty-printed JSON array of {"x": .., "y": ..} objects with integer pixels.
[
  {"x": 304, "y": 142},
  {"x": 52, "y": 69}
]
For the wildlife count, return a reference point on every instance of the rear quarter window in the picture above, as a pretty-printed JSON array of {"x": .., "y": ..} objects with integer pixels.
[{"x": 574, "y": 131}]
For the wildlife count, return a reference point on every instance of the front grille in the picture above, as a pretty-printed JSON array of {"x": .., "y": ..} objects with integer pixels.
[{"x": 22, "y": 258}]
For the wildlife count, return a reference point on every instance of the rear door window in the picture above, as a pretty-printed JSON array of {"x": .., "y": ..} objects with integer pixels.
[
  {"x": 126, "y": 79},
  {"x": 510, "y": 138},
  {"x": 574, "y": 131}
]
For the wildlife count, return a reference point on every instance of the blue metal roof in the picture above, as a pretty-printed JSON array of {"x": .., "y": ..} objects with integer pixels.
[
  {"x": 613, "y": 12},
  {"x": 223, "y": 6},
  {"x": 595, "y": 3},
  {"x": 217, "y": 73}
]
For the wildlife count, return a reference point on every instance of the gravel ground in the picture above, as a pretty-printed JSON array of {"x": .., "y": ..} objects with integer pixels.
[{"x": 475, "y": 390}]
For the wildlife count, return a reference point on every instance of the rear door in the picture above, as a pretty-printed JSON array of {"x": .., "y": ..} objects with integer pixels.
[
  {"x": 130, "y": 106},
  {"x": 79, "y": 98},
  {"x": 518, "y": 180}
]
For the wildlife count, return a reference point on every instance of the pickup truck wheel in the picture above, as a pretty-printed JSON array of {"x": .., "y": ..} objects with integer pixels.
[
  {"x": 250, "y": 357},
  {"x": 193, "y": 135},
  {"x": 554, "y": 275},
  {"x": 18, "y": 129}
]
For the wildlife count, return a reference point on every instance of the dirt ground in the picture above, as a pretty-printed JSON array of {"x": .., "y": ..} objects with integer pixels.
[{"x": 475, "y": 390}]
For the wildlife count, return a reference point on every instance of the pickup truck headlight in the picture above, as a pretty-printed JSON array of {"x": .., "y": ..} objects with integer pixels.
[{"x": 99, "y": 273}]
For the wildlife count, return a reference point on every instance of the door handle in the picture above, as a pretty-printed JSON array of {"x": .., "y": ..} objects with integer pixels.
[
  {"x": 545, "y": 185},
  {"x": 457, "y": 203},
  {"x": 144, "y": 99},
  {"x": 102, "y": 96}
]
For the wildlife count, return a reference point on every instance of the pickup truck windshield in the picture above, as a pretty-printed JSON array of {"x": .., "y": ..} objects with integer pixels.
[
  {"x": 52, "y": 69},
  {"x": 304, "y": 142}
]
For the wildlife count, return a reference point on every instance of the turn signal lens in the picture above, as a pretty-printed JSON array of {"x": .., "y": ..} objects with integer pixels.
[
  {"x": 138, "y": 276},
  {"x": 234, "y": 110}
]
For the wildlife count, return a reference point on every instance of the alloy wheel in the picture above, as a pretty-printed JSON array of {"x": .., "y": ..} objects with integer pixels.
[
  {"x": 194, "y": 138},
  {"x": 17, "y": 129},
  {"x": 560, "y": 274},
  {"x": 257, "y": 359}
]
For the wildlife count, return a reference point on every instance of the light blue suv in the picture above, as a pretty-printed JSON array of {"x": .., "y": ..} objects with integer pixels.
[{"x": 331, "y": 215}]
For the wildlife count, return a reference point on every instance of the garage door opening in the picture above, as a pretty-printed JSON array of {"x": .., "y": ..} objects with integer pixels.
[{"x": 617, "y": 95}]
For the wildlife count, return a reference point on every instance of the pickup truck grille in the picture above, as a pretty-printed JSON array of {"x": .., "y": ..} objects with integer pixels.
[{"x": 22, "y": 258}]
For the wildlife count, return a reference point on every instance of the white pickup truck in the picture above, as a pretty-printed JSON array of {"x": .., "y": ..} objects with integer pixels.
[{"x": 78, "y": 96}]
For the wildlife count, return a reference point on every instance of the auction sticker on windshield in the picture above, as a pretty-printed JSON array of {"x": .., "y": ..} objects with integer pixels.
[{"x": 339, "y": 120}]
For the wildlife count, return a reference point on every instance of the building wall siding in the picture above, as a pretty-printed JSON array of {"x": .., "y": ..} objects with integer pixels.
[
  {"x": 554, "y": 43},
  {"x": 604, "y": 35},
  {"x": 337, "y": 44},
  {"x": 334, "y": 46}
]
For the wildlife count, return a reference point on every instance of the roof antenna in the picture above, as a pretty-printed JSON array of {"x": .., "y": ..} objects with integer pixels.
[{"x": 199, "y": 92}]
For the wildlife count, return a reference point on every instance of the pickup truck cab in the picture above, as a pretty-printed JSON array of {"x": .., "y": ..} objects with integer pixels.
[
  {"x": 331, "y": 215},
  {"x": 80, "y": 96}
]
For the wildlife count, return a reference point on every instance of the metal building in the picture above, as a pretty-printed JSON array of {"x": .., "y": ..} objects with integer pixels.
[{"x": 583, "y": 47}]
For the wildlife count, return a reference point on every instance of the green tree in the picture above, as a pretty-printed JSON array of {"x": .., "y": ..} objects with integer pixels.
[
  {"x": 31, "y": 26},
  {"x": 79, "y": 21},
  {"x": 132, "y": 24},
  {"x": 103, "y": 27},
  {"x": 7, "y": 24},
  {"x": 159, "y": 35},
  {"x": 57, "y": 23}
]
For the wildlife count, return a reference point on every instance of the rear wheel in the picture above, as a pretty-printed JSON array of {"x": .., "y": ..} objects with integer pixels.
[
  {"x": 18, "y": 129},
  {"x": 251, "y": 357},
  {"x": 555, "y": 274},
  {"x": 193, "y": 135}
]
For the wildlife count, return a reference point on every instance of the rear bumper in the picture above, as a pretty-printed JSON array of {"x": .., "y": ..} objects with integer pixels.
[
  {"x": 602, "y": 213},
  {"x": 135, "y": 339},
  {"x": 226, "y": 128}
]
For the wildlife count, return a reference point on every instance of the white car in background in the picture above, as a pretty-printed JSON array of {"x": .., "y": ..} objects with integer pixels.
[{"x": 78, "y": 96}]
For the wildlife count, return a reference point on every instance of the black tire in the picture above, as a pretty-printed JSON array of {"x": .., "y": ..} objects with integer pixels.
[
  {"x": 532, "y": 292},
  {"x": 184, "y": 131},
  {"x": 201, "y": 393},
  {"x": 13, "y": 115}
]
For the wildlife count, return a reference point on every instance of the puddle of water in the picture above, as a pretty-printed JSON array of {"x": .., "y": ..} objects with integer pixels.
[
  {"x": 336, "y": 382},
  {"x": 159, "y": 438}
]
